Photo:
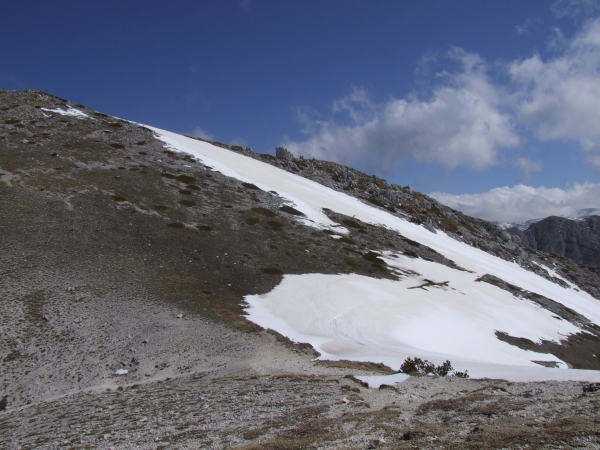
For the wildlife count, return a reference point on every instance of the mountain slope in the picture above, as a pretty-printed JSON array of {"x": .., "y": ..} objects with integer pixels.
[
  {"x": 333, "y": 330},
  {"x": 578, "y": 240},
  {"x": 132, "y": 256}
]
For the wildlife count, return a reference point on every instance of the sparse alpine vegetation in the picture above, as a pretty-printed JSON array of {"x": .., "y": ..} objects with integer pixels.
[{"x": 418, "y": 366}]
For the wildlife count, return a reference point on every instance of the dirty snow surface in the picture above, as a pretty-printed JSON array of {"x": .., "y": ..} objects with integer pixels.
[{"x": 359, "y": 318}]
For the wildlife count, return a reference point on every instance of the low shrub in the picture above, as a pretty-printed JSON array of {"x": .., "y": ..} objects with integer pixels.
[{"x": 418, "y": 366}]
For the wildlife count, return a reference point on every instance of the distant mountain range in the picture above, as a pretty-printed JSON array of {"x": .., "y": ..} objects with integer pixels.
[{"x": 523, "y": 225}]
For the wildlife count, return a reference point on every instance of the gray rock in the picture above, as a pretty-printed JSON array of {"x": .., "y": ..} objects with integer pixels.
[{"x": 284, "y": 153}]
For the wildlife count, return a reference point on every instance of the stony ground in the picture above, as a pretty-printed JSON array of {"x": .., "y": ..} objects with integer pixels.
[
  {"x": 120, "y": 257},
  {"x": 290, "y": 411}
]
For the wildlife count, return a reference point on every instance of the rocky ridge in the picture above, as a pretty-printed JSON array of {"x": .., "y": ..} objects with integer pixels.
[{"x": 428, "y": 212}]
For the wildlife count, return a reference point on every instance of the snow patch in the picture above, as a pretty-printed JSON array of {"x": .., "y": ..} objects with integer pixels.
[
  {"x": 376, "y": 381},
  {"x": 69, "y": 112}
]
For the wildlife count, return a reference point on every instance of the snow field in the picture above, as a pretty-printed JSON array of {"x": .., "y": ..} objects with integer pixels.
[{"x": 360, "y": 318}]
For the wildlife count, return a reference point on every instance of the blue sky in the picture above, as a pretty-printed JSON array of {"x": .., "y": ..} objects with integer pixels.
[{"x": 492, "y": 106}]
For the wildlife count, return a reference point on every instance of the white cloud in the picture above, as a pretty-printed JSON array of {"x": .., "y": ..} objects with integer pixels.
[
  {"x": 199, "y": 132},
  {"x": 528, "y": 167},
  {"x": 521, "y": 202},
  {"x": 560, "y": 98},
  {"x": 468, "y": 118},
  {"x": 528, "y": 24},
  {"x": 460, "y": 124},
  {"x": 575, "y": 9}
]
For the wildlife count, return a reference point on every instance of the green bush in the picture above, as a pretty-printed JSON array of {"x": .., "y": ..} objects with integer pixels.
[{"x": 418, "y": 366}]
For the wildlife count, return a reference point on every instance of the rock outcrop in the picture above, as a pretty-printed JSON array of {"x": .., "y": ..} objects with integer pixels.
[{"x": 578, "y": 240}]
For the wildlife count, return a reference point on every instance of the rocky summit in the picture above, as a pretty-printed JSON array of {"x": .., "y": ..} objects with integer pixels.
[{"x": 128, "y": 267}]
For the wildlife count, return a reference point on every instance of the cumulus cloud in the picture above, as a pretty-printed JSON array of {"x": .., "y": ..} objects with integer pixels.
[
  {"x": 460, "y": 124},
  {"x": 467, "y": 117},
  {"x": 520, "y": 203},
  {"x": 199, "y": 132},
  {"x": 560, "y": 98}
]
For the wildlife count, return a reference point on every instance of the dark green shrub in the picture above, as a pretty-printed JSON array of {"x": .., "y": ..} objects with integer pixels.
[
  {"x": 464, "y": 374},
  {"x": 186, "y": 203},
  {"x": 118, "y": 198},
  {"x": 176, "y": 225},
  {"x": 444, "y": 369},
  {"x": 117, "y": 145},
  {"x": 252, "y": 220},
  {"x": 418, "y": 366},
  {"x": 204, "y": 227},
  {"x": 167, "y": 175}
]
